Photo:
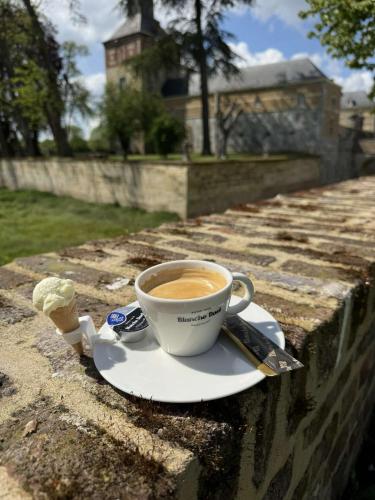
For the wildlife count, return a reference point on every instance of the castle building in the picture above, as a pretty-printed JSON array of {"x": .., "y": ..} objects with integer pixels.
[
  {"x": 286, "y": 107},
  {"x": 354, "y": 106},
  {"x": 134, "y": 36}
]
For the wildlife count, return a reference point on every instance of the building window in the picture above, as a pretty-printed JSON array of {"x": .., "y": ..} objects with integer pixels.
[
  {"x": 257, "y": 103},
  {"x": 334, "y": 101},
  {"x": 301, "y": 101},
  {"x": 122, "y": 83}
]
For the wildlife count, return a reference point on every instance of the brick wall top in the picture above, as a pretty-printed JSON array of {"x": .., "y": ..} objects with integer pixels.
[{"x": 307, "y": 253}]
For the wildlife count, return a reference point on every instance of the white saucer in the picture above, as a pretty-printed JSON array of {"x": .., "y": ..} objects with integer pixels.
[{"x": 143, "y": 369}]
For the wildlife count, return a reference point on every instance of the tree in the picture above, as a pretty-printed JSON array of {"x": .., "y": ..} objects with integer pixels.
[
  {"x": 75, "y": 95},
  {"x": 27, "y": 104},
  {"x": 76, "y": 140},
  {"x": 18, "y": 84},
  {"x": 99, "y": 141},
  {"x": 49, "y": 60},
  {"x": 166, "y": 134},
  {"x": 226, "y": 119},
  {"x": 347, "y": 29},
  {"x": 127, "y": 113},
  {"x": 201, "y": 41}
]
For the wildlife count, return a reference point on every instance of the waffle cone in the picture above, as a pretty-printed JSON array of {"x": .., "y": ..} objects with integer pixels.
[{"x": 66, "y": 320}]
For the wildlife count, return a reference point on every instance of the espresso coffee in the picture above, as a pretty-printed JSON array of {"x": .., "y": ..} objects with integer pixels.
[{"x": 185, "y": 283}]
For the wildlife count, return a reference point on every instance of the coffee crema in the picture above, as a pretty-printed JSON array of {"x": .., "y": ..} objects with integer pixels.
[{"x": 184, "y": 283}]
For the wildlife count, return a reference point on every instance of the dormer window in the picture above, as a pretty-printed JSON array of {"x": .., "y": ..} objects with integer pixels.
[{"x": 122, "y": 83}]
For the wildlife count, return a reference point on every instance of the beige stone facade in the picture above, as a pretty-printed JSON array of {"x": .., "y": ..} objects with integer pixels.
[
  {"x": 358, "y": 111},
  {"x": 347, "y": 117},
  {"x": 310, "y": 110}
]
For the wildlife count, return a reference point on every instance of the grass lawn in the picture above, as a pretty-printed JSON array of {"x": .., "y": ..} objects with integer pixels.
[
  {"x": 196, "y": 158},
  {"x": 33, "y": 222}
]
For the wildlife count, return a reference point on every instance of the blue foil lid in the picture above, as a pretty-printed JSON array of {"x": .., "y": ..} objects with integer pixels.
[{"x": 126, "y": 320}]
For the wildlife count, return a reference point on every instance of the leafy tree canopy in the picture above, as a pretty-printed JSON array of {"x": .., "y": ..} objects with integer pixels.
[
  {"x": 126, "y": 112},
  {"x": 347, "y": 29}
]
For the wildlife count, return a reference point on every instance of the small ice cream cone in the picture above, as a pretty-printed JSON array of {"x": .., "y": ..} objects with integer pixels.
[
  {"x": 56, "y": 298},
  {"x": 66, "y": 320}
]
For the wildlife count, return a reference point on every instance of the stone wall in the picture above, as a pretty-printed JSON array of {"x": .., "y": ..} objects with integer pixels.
[
  {"x": 215, "y": 187},
  {"x": 311, "y": 256},
  {"x": 187, "y": 189},
  {"x": 130, "y": 184}
]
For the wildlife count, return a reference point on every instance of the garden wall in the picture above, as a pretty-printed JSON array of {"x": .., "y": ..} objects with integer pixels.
[
  {"x": 187, "y": 189},
  {"x": 311, "y": 256}
]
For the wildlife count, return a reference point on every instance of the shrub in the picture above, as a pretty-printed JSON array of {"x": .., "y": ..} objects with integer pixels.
[{"x": 166, "y": 134}]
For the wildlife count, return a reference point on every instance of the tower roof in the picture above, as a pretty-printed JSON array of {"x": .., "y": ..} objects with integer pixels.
[{"x": 141, "y": 21}]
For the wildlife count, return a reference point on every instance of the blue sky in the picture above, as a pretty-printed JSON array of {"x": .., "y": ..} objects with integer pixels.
[{"x": 268, "y": 32}]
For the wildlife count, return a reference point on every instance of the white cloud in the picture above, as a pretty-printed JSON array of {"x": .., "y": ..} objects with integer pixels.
[
  {"x": 248, "y": 58},
  {"x": 102, "y": 19},
  {"x": 286, "y": 10},
  {"x": 360, "y": 80},
  {"x": 316, "y": 58},
  {"x": 94, "y": 83}
]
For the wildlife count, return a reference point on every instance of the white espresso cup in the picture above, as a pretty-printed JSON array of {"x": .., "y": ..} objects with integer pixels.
[{"x": 187, "y": 327}]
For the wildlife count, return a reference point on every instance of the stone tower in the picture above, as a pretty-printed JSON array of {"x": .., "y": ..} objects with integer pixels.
[{"x": 135, "y": 35}]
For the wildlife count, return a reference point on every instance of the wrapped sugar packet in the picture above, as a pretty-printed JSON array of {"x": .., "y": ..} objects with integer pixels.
[{"x": 272, "y": 360}]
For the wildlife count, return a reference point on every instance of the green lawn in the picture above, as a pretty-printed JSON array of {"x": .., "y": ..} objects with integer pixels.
[
  {"x": 196, "y": 158},
  {"x": 33, "y": 222}
]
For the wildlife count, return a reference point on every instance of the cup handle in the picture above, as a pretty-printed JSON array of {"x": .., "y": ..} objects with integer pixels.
[{"x": 245, "y": 301}]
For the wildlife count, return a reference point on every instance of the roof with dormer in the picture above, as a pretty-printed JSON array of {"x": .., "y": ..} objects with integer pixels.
[
  {"x": 138, "y": 24},
  {"x": 252, "y": 77},
  {"x": 356, "y": 99}
]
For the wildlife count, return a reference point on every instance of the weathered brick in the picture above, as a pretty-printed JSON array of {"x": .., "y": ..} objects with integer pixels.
[
  {"x": 11, "y": 280},
  {"x": 284, "y": 309},
  {"x": 265, "y": 428},
  {"x": 65, "y": 269},
  {"x": 97, "y": 309},
  {"x": 67, "y": 456},
  {"x": 326, "y": 342},
  {"x": 340, "y": 445},
  {"x": 322, "y": 272},
  {"x": 144, "y": 256},
  {"x": 195, "y": 235},
  {"x": 324, "y": 409},
  {"x": 324, "y": 446},
  {"x": 213, "y": 431},
  {"x": 95, "y": 255},
  {"x": 281, "y": 481},
  {"x": 259, "y": 260},
  {"x": 301, "y": 403},
  {"x": 338, "y": 256},
  {"x": 300, "y": 493},
  {"x": 366, "y": 341},
  {"x": 359, "y": 310},
  {"x": 348, "y": 399},
  {"x": 339, "y": 480},
  {"x": 11, "y": 313},
  {"x": 7, "y": 387}
]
